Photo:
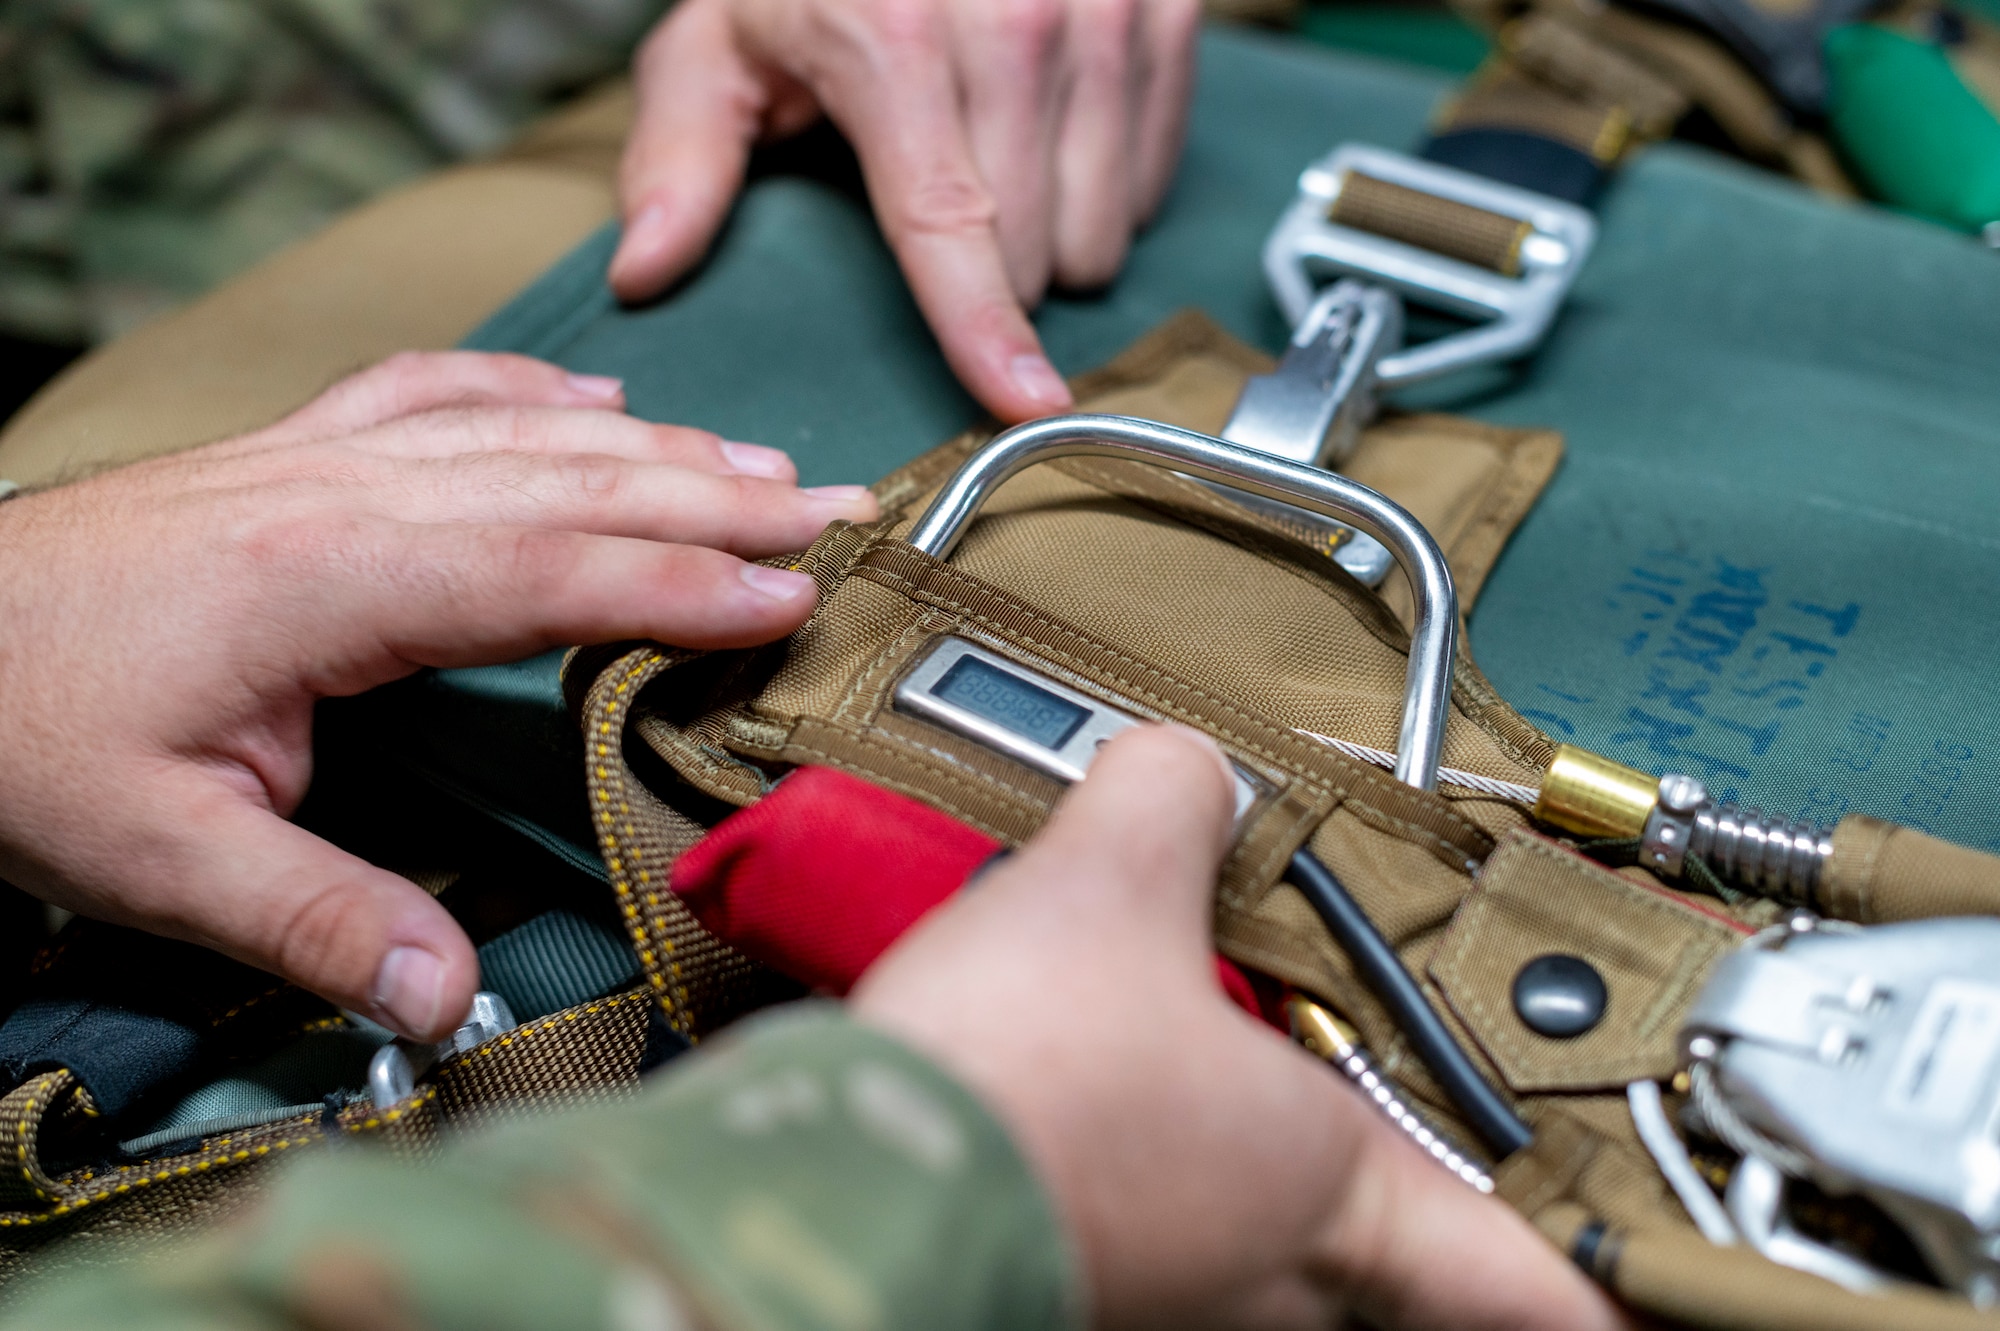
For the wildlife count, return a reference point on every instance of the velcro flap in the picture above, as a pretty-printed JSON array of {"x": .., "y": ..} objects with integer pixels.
[{"x": 1652, "y": 948}]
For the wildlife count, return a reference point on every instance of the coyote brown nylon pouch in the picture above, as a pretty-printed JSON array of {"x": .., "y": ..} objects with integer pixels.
[{"x": 1141, "y": 587}]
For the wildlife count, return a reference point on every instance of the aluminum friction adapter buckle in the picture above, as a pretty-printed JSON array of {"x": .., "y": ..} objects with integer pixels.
[
  {"x": 1865, "y": 1061},
  {"x": 1393, "y": 228},
  {"x": 1503, "y": 256}
]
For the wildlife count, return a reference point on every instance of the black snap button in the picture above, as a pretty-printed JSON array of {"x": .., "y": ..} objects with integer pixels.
[{"x": 1559, "y": 996}]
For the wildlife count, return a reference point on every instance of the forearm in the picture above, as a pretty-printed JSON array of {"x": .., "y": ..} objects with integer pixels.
[{"x": 809, "y": 1173}]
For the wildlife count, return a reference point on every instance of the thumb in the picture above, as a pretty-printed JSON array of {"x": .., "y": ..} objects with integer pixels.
[
  {"x": 1144, "y": 830},
  {"x": 275, "y": 896},
  {"x": 701, "y": 108},
  {"x": 1122, "y": 876}
]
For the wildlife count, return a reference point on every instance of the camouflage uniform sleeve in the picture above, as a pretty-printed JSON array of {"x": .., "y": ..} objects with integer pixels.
[{"x": 806, "y": 1172}]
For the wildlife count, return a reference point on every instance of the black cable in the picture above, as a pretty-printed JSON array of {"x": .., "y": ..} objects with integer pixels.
[{"x": 1384, "y": 974}]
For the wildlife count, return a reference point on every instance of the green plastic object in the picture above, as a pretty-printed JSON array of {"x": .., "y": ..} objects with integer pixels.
[{"x": 1921, "y": 140}]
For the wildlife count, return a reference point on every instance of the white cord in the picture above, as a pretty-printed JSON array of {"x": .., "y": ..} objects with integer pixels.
[
  {"x": 1649, "y": 1116},
  {"x": 1447, "y": 776}
]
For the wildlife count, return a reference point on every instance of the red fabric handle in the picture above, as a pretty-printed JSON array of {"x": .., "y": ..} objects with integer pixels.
[{"x": 818, "y": 878}]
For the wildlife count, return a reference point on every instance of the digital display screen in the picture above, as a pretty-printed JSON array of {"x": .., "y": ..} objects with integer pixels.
[{"x": 1010, "y": 702}]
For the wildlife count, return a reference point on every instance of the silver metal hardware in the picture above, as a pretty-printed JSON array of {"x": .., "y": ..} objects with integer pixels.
[
  {"x": 1347, "y": 340},
  {"x": 1771, "y": 855},
  {"x": 1447, "y": 776},
  {"x": 1756, "y": 1201},
  {"x": 1312, "y": 408},
  {"x": 1427, "y": 687},
  {"x": 393, "y": 1071},
  {"x": 1337, "y": 1043},
  {"x": 1021, "y": 712},
  {"x": 1306, "y": 248},
  {"x": 490, "y": 1016},
  {"x": 1867, "y": 1060}
]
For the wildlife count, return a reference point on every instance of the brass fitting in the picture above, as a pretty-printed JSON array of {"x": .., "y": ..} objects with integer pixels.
[
  {"x": 1592, "y": 796},
  {"x": 1320, "y": 1031}
]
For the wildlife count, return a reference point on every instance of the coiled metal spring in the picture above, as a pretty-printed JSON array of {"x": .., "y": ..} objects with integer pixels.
[{"x": 1775, "y": 856}]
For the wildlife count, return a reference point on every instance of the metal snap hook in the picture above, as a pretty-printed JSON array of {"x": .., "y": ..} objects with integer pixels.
[{"x": 1433, "y": 643}]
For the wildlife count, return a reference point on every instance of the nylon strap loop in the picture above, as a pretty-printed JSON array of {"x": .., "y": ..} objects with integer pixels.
[{"x": 1457, "y": 230}]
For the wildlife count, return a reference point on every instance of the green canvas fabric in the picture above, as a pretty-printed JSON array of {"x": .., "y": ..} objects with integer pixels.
[{"x": 1764, "y": 561}]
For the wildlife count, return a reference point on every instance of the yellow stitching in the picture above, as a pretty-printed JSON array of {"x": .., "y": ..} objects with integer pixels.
[
  {"x": 164, "y": 1175},
  {"x": 44, "y": 1085},
  {"x": 526, "y": 1033}
]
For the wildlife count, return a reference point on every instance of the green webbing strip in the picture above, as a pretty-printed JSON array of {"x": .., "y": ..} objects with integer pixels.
[
  {"x": 554, "y": 961},
  {"x": 302, "y": 1073},
  {"x": 151, "y": 1143}
]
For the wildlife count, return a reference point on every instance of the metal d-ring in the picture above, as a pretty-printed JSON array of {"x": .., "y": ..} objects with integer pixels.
[{"x": 1427, "y": 692}]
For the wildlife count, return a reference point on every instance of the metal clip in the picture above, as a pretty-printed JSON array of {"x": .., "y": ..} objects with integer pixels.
[
  {"x": 393, "y": 1072},
  {"x": 1514, "y": 311},
  {"x": 1867, "y": 1060},
  {"x": 1312, "y": 408}
]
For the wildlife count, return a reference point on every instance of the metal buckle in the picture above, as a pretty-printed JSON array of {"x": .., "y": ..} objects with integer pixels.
[
  {"x": 1865, "y": 1061},
  {"x": 1312, "y": 408},
  {"x": 1305, "y": 248},
  {"x": 393, "y": 1071}
]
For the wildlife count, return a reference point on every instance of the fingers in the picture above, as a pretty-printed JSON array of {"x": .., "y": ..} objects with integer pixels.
[
  {"x": 1096, "y": 195},
  {"x": 466, "y": 595},
  {"x": 895, "y": 94},
  {"x": 1129, "y": 857},
  {"x": 417, "y": 381},
  {"x": 1168, "y": 30},
  {"x": 701, "y": 108},
  {"x": 1013, "y": 96},
  {"x": 612, "y": 496},
  {"x": 1402, "y": 1211},
  {"x": 273, "y": 895},
  {"x": 555, "y": 431}
]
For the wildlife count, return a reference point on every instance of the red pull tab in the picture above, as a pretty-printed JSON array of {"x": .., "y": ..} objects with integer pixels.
[{"x": 819, "y": 877}]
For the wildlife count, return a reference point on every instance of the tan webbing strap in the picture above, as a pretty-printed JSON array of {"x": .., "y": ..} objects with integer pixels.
[
  {"x": 583, "y": 1052},
  {"x": 1601, "y": 78},
  {"x": 1444, "y": 226},
  {"x": 24, "y": 1185},
  {"x": 1564, "y": 57},
  {"x": 700, "y": 981}
]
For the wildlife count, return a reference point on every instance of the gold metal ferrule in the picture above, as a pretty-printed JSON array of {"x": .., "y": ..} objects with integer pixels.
[
  {"x": 1595, "y": 797},
  {"x": 1320, "y": 1031}
]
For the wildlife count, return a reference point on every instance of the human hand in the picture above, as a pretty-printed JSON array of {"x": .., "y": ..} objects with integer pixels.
[
  {"x": 1211, "y": 1173},
  {"x": 166, "y": 628},
  {"x": 1007, "y": 144}
]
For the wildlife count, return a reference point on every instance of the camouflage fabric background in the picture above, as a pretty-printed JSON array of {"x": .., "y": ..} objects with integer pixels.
[{"x": 151, "y": 148}]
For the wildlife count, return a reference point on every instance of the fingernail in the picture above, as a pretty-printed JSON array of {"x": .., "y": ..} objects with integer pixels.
[
  {"x": 780, "y": 584},
  {"x": 409, "y": 991},
  {"x": 601, "y": 386},
  {"x": 644, "y": 230},
  {"x": 756, "y": 460},
  {"x": 840, "y": 494},
  {"x": 1037, "y": 379}
]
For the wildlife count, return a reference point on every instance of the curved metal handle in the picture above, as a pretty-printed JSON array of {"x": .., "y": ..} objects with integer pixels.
[{"x": 1426, "y": 695}]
